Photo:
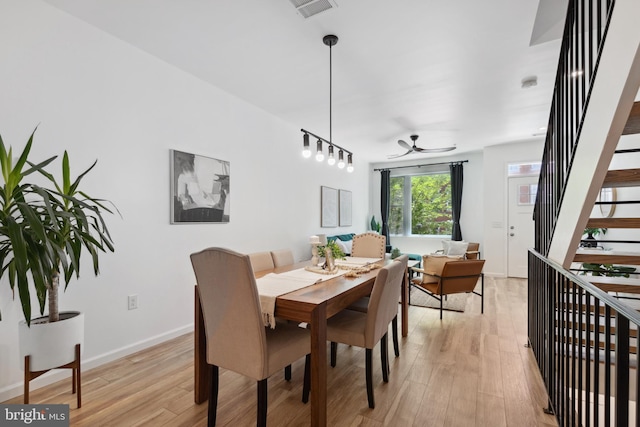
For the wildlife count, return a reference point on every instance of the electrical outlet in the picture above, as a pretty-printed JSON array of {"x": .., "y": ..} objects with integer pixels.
[{"x": 132, "y": 301}]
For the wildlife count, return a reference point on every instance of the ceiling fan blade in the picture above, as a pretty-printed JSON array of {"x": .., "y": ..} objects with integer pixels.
[
  {"x": 435, "y": 150},
  {"x": 404, "y": 145},
  {"x": 395, "y": 156}
]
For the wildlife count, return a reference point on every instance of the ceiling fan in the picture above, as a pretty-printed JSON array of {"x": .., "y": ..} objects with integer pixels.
[{"x": 416, "y": 149}]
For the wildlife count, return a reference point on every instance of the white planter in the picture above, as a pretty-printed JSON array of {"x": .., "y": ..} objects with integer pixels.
[{"x": 51, "y": 345}]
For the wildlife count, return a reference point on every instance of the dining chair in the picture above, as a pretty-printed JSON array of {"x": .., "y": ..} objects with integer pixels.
[
  {"x": 282, "y": 257},
  {"x": 367, "y": 329},
  {"x": 442, "y": 276},
  {"x": 363, "y": 303},
  {"x": 368, "y": 245},
  {"x": 261, "y": 261},
  {"x": 237, "y": 339}
]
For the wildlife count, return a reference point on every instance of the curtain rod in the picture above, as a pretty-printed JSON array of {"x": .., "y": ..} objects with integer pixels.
[{"x": 417, "y": 166}]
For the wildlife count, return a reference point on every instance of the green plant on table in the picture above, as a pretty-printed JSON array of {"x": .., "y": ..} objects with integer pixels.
[
  {"x": 594, "y": 231},
  {"x": 335, "y": 250},
  {"x": 395, "y": 253},
  {"x": 608, "y": 270},
  {"x": 44, "y": 231}
]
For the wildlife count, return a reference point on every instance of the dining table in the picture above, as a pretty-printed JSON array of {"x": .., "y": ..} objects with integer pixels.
[{"x": 313, "y": 304}]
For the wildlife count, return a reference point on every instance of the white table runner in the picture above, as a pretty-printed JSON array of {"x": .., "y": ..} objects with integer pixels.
[
  {"x": 273, "y": 285},
  {"x": 351, "y": 261}
]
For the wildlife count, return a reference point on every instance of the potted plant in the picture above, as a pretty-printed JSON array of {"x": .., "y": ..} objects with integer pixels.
[
  {"x": 43, "y": 234},
  {"x": 335, "y": 250},
  {"x": 375, "y": 225},
  {"x": 590, "y": 241}
]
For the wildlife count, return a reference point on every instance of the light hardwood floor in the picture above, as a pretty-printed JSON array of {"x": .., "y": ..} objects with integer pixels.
[{"x": 467, "y": 370}]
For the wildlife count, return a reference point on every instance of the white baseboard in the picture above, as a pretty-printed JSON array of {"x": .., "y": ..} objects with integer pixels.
[{"x": 11, "y": 391}]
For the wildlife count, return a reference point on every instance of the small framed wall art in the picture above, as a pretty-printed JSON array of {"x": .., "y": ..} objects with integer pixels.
[
  {"x": 345, "y": 208},
  {"x": 199, "y": 188},
  {"x": 329, "y": 207}
]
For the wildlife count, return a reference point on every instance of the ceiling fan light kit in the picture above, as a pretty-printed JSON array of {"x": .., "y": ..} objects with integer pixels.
[
  {"x": 411, "y": 149},
  {"x": 329, "y": 40}
]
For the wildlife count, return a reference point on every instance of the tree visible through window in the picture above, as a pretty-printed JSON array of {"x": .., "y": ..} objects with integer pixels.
[{"x": 420, "y": 204}]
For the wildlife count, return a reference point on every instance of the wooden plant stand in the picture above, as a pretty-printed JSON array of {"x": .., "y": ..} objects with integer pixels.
[{"x": 75, "y": 376}]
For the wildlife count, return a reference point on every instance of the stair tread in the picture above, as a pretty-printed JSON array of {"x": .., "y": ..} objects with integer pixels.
[
  {"x": 598, "y": 256},
  {"x": 621, "y": 178},
  {"x": 633, "y": 122},
  {"x": 629, "y": 222},
  {"x": 588, "y": 251},
  {"x": 606, "y": 280}
]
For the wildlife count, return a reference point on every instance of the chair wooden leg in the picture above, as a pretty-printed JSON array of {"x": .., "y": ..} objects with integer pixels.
[
  {"x": 306, "y": 384},
  {"x": 372, "y": 403},
  {"x": 287, "y": 373},
  {"x": 334, "y": 353},
  {"x": 384, "y": 358},
  {"x": 213, "y": 395},
  {"x": 394, "y": 331},
  {"x": 262, "y": 403}
]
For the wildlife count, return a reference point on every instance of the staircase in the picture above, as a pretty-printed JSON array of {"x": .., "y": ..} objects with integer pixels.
[
  {"x": 625, "y": 249},
  {"x": 583, "y": 328}
]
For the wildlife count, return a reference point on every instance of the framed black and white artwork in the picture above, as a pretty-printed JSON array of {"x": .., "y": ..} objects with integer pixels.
[
  {"x": 345, "y": 208},
  {"x": 199, "y": 188},
  {"x": 329, "y": 207}
]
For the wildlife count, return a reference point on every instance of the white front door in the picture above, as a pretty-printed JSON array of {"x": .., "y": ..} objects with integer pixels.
[{"x": 522, "y": 195}]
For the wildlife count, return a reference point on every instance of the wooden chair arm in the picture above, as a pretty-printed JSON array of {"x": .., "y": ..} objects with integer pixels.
[{"x": 422, "y": 271}]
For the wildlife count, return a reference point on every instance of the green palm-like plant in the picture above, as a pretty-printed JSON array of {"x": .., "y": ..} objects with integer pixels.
[{"x": 44, "y": 231}]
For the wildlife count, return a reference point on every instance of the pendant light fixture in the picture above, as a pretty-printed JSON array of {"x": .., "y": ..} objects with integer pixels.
[{"x": 329, "y": 40}]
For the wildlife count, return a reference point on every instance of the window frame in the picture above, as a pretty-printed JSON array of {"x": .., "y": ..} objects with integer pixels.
[{"x": 407, "y": 205}]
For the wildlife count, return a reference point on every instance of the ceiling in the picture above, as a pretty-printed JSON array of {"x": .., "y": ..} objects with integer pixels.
[{"x": 450, "y": 71}]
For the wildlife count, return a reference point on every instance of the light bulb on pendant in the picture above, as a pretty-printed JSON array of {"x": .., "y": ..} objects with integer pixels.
[
  {"x": 332, "y": 159},
  {"x": 319, "y": 153},
  {"x": 349, "y": 163},
  {"x": 306, "y": 152},
  {"x": 341, "y": 159}
]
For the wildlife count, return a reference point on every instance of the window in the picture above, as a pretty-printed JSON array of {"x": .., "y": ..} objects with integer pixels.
[
  {"x": 421, "y": 204},
  {"x": 524, "y": 169},
  {"x": 527, "y": 194}
]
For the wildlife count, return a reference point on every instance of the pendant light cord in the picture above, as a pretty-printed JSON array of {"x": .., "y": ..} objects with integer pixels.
[{"x": 330, "y": 95}]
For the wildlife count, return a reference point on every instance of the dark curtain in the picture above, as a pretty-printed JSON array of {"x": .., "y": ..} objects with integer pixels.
[
  {"x": 456, "y": 199},
  {"x": 385, "y": 195}
]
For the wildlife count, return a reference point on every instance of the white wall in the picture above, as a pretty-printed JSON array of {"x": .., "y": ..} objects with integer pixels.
[
  {"x": 100, "y": 98},
  {"x": 471, "y": 218},
  {"x": 495, "y": 198}
]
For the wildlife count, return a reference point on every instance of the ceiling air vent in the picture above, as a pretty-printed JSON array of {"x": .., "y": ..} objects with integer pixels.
[{"x": 309, "y": 8}]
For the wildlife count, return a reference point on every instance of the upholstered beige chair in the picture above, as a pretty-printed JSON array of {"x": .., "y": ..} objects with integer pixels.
[
  {"x": 261, "y": 261},
  {"x": 282, "y": 257},
  {"x": 366, "y": 329},
  {"x": 442, "y": 276},
  {"x": 368, "y": 245},
  {"x": 236, "y": 336}
]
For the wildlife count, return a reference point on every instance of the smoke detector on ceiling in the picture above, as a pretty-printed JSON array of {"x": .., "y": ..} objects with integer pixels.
[
  {"x": 528, "y": 82},
  {"x": 309, "y": 8}
]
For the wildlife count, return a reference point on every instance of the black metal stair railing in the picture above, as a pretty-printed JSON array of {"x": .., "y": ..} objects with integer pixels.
[
  {"x": 584, "y": 35},
  {"x": 586, "y": 346}
]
